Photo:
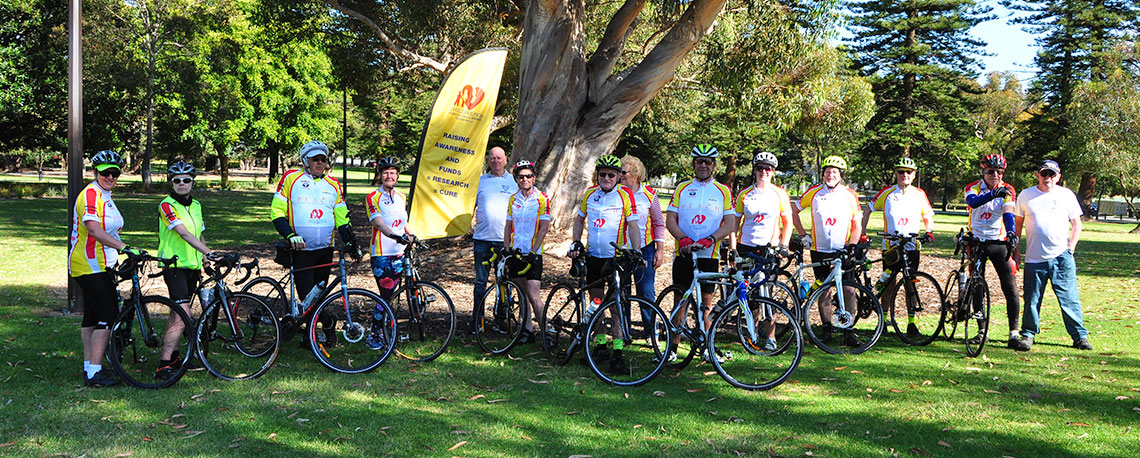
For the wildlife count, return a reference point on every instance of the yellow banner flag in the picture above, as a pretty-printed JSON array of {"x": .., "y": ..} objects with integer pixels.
[{"x": 454, "y": 142}]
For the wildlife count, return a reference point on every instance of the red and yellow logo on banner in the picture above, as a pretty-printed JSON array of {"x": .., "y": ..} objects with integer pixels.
[{"x": 454, "y": 142}]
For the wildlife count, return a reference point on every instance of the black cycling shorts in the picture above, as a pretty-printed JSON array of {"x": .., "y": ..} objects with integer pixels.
[
  {"x": 100, "y": 300},
  {"x": 598, "y": 268},
  {"x": 516, "y": 265},
  {"x": 683, "y": 271},
  {"x": 181, "y": 283}
]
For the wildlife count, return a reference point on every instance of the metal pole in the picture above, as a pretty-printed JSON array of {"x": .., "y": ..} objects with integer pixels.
[
  {"x": 74, "y": 118},
  {"x": 344, "y": 143}
]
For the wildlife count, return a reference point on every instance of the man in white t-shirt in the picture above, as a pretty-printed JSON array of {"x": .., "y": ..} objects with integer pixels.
[
  {"x": 1051, "y": 217},
  {"x": 490, "y": 218}
]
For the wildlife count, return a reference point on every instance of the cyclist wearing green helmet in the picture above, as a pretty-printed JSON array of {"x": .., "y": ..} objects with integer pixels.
[
  {"x": 904, "y": 208},
  {"x": 835, "y": 228}
]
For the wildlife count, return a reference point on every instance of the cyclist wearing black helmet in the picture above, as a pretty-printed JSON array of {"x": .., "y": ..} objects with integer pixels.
[
  {"x": 528, "y": 220},
  {"x": 992, "y": 202},
  {"x": 388, "y": 214},
  {"x": 94, "y": 248},
  {"x": 180, "y": 227}
]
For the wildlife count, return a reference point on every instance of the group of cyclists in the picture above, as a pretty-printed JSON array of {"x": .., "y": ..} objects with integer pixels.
[{"x": 511, "y": 213}]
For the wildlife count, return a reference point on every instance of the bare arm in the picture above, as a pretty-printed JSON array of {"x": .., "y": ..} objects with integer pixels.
[
  {"x": 579, "y": 225},
  {"x": 866, "y": 219},
  {"x": 727, "y": 226},
  {"x": 785, "y": 228},
  {"x": 799, "y": 225},
  {"x": 508, "y": 229},
  {"x": 672, "y": 227},
  {"x": 1075, "y": 233},
  {"x": 543, "y": 227}
]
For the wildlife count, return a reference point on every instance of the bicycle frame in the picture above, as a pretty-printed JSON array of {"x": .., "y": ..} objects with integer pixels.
[
  {"x": 713, "y": 278},
  {"x": 836, "y": 274}
]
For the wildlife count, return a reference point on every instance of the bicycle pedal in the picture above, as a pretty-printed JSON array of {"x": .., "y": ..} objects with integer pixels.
[
  {"x": 404, "y": 337},
  {"x": 429, "y": 297}
]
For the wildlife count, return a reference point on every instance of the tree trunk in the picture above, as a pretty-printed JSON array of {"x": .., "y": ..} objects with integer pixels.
[
  {"x": 1086, "y": 193},
  {"x": 573, "y": 109},
  {"x": 274, "y": 161},
  {"x": 224, "y": 168}
]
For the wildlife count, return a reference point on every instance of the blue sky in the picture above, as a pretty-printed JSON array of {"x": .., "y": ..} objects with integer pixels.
[{"x": 1012, "y": 49}]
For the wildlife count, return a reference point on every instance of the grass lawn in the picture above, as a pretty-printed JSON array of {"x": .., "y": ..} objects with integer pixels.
[{"x": 893, "y": 400}]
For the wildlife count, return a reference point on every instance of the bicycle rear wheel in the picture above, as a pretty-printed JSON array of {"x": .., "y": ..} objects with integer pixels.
[
  {"x": 744, "y": 359},
  {"x": 135, "y": 349},
  {"x": 273, "y": 294},
  {"x": 781, "y": 294},
  {"x": 915, "y": 313},
  {"x": 976, "y": 316},
  {"x": 691, "y": 337},
  {"x": 500, "y": 321},
  {"x": 239, "y": 342},
  {"x": 360, "y": 331},
  {"x": 561, "y": 324},
  {"x": 855, "y": 334},
  {"x": 950, "y": 301},
  {"x": 630, "y": 357},
  {"x": 426, "y": 324}
]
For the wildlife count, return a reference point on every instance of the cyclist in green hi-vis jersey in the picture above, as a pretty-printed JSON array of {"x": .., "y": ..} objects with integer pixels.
[{"x": 180, "y": 227}]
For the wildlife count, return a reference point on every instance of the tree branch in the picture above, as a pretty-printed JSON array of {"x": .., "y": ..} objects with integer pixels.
[
  {"x": 601, "y": 64},
  {"x": 389, "y": 44}
]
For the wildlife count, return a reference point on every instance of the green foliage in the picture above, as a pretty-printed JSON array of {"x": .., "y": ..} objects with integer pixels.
[{"x": 33, "y": 75}]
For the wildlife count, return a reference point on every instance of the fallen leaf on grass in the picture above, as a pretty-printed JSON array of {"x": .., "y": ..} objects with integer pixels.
[
  {"x": 919, "y": 451},
  {"x": 1077, "y": 423},
  {"x": 573, "y": 412},
  {"x": 496, "y": 401},
  {"x": 927, "y": 383},
  {"x": 272, "y": 436},
  {"x": 992, "y": 391},
  {"x": 708, "y": 373},
  {"x": 581, "y": 456},
  {"x": 1122, "y": 398},
  {"x": 457, "y": 445},
  {"x": 524, "y": 436},
  {"x": 477, "y": 396},
  {"x": 895, "y": 390},
  {"x": 8, "y": 444},
  {"x": 695, "y": 390},
  {"x": 659, "y": 394},
  {"x": 190, "y": 434},
  {"x": 634, "y": 427},
  {"x": 123, "y": 455},
  {"x": 460, "y": 431},
  {"x": 944, "y": 444},
  {"x": 856, "y": 372},
  {"x": 147, "y": 439},
  {"x": 538, "y": 381},
  {"x": 973, "y": 368},
  {"x": 840, "y": 368},
  {"x": 947, "y": 428}
]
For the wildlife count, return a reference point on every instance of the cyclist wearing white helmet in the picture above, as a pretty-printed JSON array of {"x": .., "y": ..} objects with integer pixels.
[
  {"x": 94, "y": 248},
  {"x": 180, "y": 227},
  {"x": 906, "y": 210},
  {"x": 489, "y": 219},
  {"x": 835, "y": 225}
]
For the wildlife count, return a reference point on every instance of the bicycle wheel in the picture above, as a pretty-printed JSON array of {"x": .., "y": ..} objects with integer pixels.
[
  {"x": 849, "y": 333},
  {"x": 135, "y": 349},
  {"x": 744, "y": 358},
  {"x": 689, "y": 340},
  {"x": 561, "y": 321},
  {"x": 627, "y": 356},
  {"x": 360, "y": 331},
  {"x": 273, "y": 294},
  {"x": 950, "y": 301},
  {"x": 239, "y": 342},
  {"x": 781, "y": 294},
  {"x": 916, "y": 313},
  {"x": 976, "y": 320},
  {"x": 500, "y": 320},
  {"x": 426, "y": 323}
]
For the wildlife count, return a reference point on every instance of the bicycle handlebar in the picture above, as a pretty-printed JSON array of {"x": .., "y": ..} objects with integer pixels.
[{"x": 135, "y": 261}]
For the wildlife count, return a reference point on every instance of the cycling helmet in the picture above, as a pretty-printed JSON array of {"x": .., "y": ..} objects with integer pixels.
[
  {"x": 523, "y": 164},
  {"x": 608, "y": 161},
  {"x": 704, "y": 150},
  {"x": 994, "y": 161},
  {"x": 834, "y": 161},
  {"x": 906, "y": 163},
  {"x": 181, "y": 168},
  {"x": 313, "y": 148},
  {"x": 766, "y": 158},
  {"x": 107, "y": 157},
  {"x": 386, "y": 163}
]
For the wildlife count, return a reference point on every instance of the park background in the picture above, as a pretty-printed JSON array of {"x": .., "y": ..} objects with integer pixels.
[{"x": 237, "y": 86}]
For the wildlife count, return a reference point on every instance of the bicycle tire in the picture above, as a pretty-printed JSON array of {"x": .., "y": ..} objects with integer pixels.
[
  {"x": 927, "y": 306},
  {"x": 865, "y": 332},
  {"x": 781, "y": 294},
  {"x": 741, "y": 359},
  {"x": 137, "y": 357},
  {"x": 979, "y": 313},
  {"x": 497, "y": 335},
  {"x": 426, "y": 325},
  {"x": 691, "y": 339},
  {"x": 640, "y": 349},
  {"x": 242, "y": 355},
  {"x": 950, "y": 302},
  {"x": 561, "y": 324},
  {"x": 354, "y": 348},
  {"x": 270, "y": 291}
]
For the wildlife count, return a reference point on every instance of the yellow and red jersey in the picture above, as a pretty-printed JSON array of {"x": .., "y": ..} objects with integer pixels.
[
  {"x": 608, "y": 215},
  {"x": 759, "y": 211},
  {"x": 526, "y": 213},
  {"x": 904, "y": 209},
  {"x": 392, "y": 209},
  {"x": 700, "y": 207},
  {"x": 832, "y": 213},
  {"x": 85, "y": 254},
  {"x": 314, "y": 207}
]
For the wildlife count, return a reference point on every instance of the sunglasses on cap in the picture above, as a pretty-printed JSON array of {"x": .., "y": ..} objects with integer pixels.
[
  {"x": 181, "y": 180},
  {"x": 110, "y": 172}
]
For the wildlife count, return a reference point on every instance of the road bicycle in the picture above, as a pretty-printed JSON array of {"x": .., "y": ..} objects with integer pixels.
[
  {"x": 357, "y": 327},
  {"x": 562, "y": 317},
  {"x": 500, "y": 322},
  {"x": 732, "y": 334},
  {"x": 237, "y": 336},
  {"x": 916, "y": 314},
  {"x": 966, "y": 301},
  {"x": 424, "y": 312},
  {"x": 139, "y": 331}
]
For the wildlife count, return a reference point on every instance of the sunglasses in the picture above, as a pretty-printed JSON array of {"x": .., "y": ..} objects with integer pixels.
[
  {"x": 319, "y": 158},
  {"x": 114, "y": 173},
  {"x": 995, "y": 172},
  {"x": 523, "y": 177},
  {"x": 903, "y": 171},
  {"x": 607, "y": 175},
  {"x": 182, "y": 180},
  {"x": 703, "y": 161},
  {"x": 1048, "y": 173},
  {"x": 765, "y": 168}
]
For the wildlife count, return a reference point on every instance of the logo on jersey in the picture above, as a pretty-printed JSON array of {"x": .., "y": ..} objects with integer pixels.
[
  {"x": 316, "y": 214},
  {"x": 758, "y": 218},
  {"x": 692, "y": 193},
  {"x": 987, "y": 215},
  {"x": 829, "y": 222},
  {"x": 397, "y": 223},
  {"x": 699, "y": 219},
  {"x": 506, "y": 189},
  {"x": 597, "y": 197},
  {"x": 599, "y": 222},
  {"x": 305, "y": 185},
  {"x": 902, "y": 221}
]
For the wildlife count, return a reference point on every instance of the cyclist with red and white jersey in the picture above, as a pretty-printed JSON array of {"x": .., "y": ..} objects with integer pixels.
[
  {"x": 608, "y": 214},
  {"x": 306, "y": 208},
  {"x": 906, "y": 210},
  {"x": 528, "y": 220},
  {"x": 388, "y": 214},
  {"x": 699, "y": 216},
  {"x": 835, "y": 226},
  {"x": 93, "y": 250},
  {"x": 992, "y": 202}
]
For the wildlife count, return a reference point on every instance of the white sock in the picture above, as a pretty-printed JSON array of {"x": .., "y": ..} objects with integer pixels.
[
  {"x": 1014, "y": 335},
  {"x": 86, "y": 364},
  {"x": 93, "y": 369}
]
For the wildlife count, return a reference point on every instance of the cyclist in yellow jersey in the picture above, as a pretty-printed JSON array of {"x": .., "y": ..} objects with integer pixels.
[
  {"x": 388, "y": 215},
  {"x": 528, "y": 220},
  {"x": 835, "y": 228},
  {"x": 306, "y": 208},
  {"x": 180, "y": 227},
  {"x": 94, "y": 248}
]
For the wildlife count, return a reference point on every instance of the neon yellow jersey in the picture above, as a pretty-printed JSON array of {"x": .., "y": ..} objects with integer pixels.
[
  {"x": 172, "y": 214},
  {"x": 85, "y": 254},
  {"x": 314, "y": 207},
  {"x": 832, "y": 212}
]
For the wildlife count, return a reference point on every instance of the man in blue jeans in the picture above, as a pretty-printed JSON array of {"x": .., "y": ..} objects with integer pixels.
[
  {"x": 495, "y": 190},
  {"x": 1051, "y": 217}
]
